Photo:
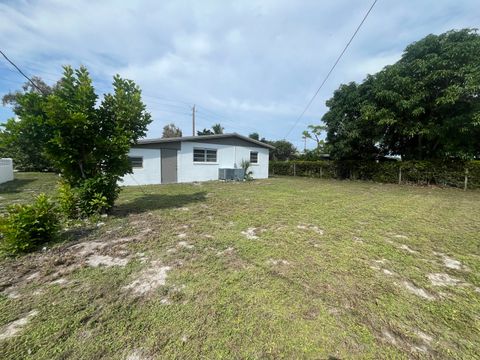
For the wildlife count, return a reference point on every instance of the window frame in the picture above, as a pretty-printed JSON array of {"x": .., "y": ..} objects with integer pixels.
[
  {"x": 132, "y": 159},
  {"x": 207, "y": 152},
  {"x": 257, "y": 160}
]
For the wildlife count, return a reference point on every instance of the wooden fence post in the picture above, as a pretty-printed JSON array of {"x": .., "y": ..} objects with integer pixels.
[
  {"x": 400, "y": 175},
  {"x": 321, "y": 172},
  {"x": 294, "y": 169},
  {"x": 466, "y": 180}
]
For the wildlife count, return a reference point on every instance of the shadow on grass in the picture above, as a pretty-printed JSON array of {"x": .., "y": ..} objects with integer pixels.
[
  {"x": 150, "y": 202},
  {"x": 14, "y": 186}
]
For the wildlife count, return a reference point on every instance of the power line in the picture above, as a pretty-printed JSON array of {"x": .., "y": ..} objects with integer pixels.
[
  {"x": 168, "y": 105},
  {"x": 206, "y": 110},
  {"x": 21, "y": 72},
  {"x": 332, "y": 68}
]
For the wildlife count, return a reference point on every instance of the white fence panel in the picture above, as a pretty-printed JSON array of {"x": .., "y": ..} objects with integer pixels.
[{"x": 6, "y": 170}]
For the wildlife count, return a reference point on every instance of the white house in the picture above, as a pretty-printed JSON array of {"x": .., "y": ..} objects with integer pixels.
[{"x": 194, "y": 158}]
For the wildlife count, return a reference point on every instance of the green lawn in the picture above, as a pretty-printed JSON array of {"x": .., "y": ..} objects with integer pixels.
[{"x": 279, "y": 268}]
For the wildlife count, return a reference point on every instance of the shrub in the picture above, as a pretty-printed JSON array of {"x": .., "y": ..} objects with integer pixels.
[
  {"x": 26, "y": 227},
  {"x": 93, "y": 196},
  {"x": 98, "y": 194},
  {"x": 68, "y": 201},
  {"x": 248, "y": 174},
  {"x": 445, "y": 173}
]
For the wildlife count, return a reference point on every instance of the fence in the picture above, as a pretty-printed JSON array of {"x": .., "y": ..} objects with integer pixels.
[
  {"x": 6, "y": 170},
  {"x": 463, "y": 174}
]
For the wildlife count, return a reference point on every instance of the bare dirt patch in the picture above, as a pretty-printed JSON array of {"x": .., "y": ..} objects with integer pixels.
[
  {"x": 358, "y": 240},
  {"x": 250, "y": 233},
  {"x": 388, "y": 272},
  {"x": 407, "y": 249},
  {"x": 424, "y": 337},
  {"x": 400, "y": 341},
  {"x": 105, "y": 260},
  {"x": 417, "y": 290},
  {"x": 227, "y": 251},
  {"x": 311, "y": 227},
  {"x": 137, "y": 355},
  {"x": 149, "y": 279},
  {"x": 54, "y": 264},
  {"x": 451, "y": 263},
  {"x": 277, "y": 262},
  {"x": 377, "y": 265},
  {"x": 389, "y": 337},
  {"x": 16, "y": 326},
  {"x": 440, "y": 279},
  {"x": 61, "y": 281},
  {"x": 186, "y": 245}
]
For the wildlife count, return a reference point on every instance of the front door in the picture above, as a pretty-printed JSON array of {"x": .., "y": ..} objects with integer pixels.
[{"x": 169, "y": 166}]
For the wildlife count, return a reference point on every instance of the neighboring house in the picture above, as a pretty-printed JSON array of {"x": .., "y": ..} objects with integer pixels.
[
  {"x": 6, "y": 170},
  {"x": 194, "y": 158}
]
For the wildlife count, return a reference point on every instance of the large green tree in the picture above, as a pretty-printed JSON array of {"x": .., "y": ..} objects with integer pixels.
[
  {"x": 23, "y": 138},
  {"x": 89, "y": 143},
  {"x": 425, "y": 106},
  {"x": 349, "y": 134}
]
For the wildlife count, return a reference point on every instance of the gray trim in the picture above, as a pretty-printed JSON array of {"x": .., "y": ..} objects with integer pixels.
[
  {"x": 227, "y": 139},
  {"x": 174, "y": 145},
  {"x": 224, "y": 141}
]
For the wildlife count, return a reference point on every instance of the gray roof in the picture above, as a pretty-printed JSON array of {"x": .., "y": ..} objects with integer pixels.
[{"x": 203, "y": 138}]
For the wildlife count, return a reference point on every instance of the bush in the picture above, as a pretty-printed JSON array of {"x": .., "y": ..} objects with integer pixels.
[
  {"x": 444, "y": 173},
  {"x": 26, "y": 227},
  {"x": 93, "y": 196},
  {"x": 97, "y": 195},
  {"x": 248, "y": 174},
  {"x": 68, "y": 201}
]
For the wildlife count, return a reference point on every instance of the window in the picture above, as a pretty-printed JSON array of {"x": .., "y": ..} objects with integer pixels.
[
  {"x": 254, "y": 157},
  {"x": 136, "y": 161},
  {"x": 205, "y": 155}
]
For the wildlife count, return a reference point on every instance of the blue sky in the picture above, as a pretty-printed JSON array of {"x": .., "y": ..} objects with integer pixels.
[{"x": 250, "y": 65}]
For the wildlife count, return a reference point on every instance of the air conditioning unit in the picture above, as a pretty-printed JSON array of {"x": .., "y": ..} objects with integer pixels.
[{"x": 231, "y": 174}]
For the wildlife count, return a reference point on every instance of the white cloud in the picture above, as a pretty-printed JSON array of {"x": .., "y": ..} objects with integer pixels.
[{"x": 255, "y": 63}]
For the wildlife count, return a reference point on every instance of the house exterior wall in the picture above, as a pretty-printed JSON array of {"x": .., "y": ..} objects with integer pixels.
[
  {"x": 260, "y": 170},
  {"x": 150, "y": 173},
  {"x": 228, "y": 156},
  {"x": 6, "y": 170}
]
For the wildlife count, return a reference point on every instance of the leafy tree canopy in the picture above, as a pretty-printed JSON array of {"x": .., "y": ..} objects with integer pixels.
[
  {"x": 171, "y": 131},
  {"x": 284, "y": 150},
  {"x": 215, "y": 130},
  {"x": 425, "y": 106},
  {"x": 218, "y": 129},
  {"x": 89, "y": 143},
  {"x": 205, "y": 132},
  {"x": 23, "y": 138},
  {"x": 254, "y": 136}
]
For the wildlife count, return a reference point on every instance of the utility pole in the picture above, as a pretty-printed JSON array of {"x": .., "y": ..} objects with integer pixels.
[
  {"x": 304, "y": 144},
  {"x": 193, "y": 120}
]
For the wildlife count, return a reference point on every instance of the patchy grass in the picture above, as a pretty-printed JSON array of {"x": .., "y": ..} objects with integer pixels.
[
  {"x": 280, "y": 268},
  {"x": 25, "y": 187}
]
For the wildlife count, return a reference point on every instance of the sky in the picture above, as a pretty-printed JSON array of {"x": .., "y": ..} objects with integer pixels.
[{"x": 251, "y": 65}]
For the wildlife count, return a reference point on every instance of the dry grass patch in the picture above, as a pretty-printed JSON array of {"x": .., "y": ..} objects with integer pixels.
[{"x": 284, "y": 268}]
